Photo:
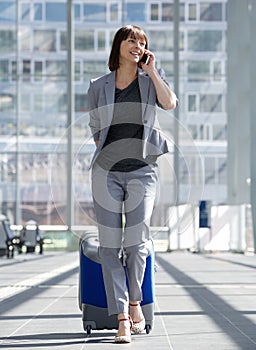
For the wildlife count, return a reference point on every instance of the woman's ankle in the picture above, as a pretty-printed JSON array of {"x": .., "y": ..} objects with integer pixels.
[
  {"x": 134, "y": 303},
  {"x": 136, "y": 311},
  {"x": 123, "y": 316}
]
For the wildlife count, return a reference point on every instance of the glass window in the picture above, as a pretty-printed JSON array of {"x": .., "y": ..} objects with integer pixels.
[
  {"x": 183, "y": 171},
  {"x": 192, "y": 12},
  {"x": 24, "y": 36},
  {"x": 7, "y": 40},
  {"x": 63, "y": 41},
  {"x": 182, "y": 12},
  {"x": 94, "y": 69},
  {"x": 45, "y": 40},
  {"x": 114, "y": 12},
  {"x": 80, "y": 103},
  {"x": 38, "y": 103},
  {"x": 84, "y": 40},
  {"x": 198, "y": 70},
  {"x": 35, "y": 187},
  {"x": 26, "y": 70},
  {"x": 210, "y": 12},
  {"x": 210, "y": 170},
  {"x": 56, "y": 70},
  {"x": 219, "y": 132},
  {"x": 95, "y": 12},
  {"x": 55, "y": 12},
  {"x": 161, "y": 40},
  {"x": 77, "y": 12},
  {"x": 38, "y": 11},
  {"x": 205, "y": 40},
  {"x": 154, "y": 12},
  {"x": 210, "y": 103},
  {"x": 25, "y": 102},
  {"x": 222, "y": 171},
  {"x": 4, "y": 70},
  {"x": 188, "y": 168},
  {"x": 8, "y": 174},
  {"x": 201, "y": 132},
  {"x": 182, "y": 69},
  {"x": 25, "y": 11},
  {"x": 217, "y": 71},
  {"x": 167, "y": 67},
  {"x": 181, "y": 41},
  {"x": 136, "y": 12},
  {"x": 111, "y": 37},
  {"x": 193, "y": 131},
  {"x": 38, "y": 70},
  {"x": 101, "y": 41},
  {"x": 13, "y": 70},
  {"x": 7, "y": 11},
  {"x": 192, "y": 103},
  {"x": 167, "y": 12},
  {"x": 55, "y": 103},
  {"x": 7, "y": 102},
  {"x": 77, "y": 70},
  {"x": 62, "y": 103}
]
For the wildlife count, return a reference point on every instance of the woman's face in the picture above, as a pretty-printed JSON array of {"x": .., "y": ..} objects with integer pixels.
[{"x": 132, "y": 49}]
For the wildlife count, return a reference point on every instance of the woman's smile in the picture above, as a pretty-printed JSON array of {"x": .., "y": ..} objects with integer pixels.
[{"x": 132, "y": 48}]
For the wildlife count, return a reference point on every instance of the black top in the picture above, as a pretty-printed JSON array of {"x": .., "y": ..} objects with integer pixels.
[{"x": 122, "y": 150}]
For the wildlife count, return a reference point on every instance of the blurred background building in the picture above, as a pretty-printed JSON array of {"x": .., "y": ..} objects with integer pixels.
[{"x": 35, "y": 164}]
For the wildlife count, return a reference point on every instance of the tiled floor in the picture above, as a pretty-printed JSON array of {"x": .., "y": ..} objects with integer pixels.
[{"x": 203, "y": 302}]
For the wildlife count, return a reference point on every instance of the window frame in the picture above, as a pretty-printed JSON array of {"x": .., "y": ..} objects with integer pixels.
[
  {"x": 108, "y": 14},
  {"x": 33, "y": 12},
  {"x": 158, "y": 3}
]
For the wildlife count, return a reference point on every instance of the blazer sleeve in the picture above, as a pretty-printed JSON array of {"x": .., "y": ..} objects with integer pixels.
[{"x": 94, "y": 122}]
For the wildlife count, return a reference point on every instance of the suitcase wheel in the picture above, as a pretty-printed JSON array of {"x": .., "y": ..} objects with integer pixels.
[
  {"x": 88, "y": 329},
  {"x": 148, "y": 328}
]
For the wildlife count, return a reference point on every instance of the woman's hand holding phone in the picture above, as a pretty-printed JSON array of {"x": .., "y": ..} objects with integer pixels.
[
  {"x": 145, "y": 58},
  {"x": 147, "y": 62}
]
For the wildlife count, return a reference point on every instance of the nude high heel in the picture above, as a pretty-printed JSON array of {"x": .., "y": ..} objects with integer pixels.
[
  {"x": 125, "y": 338},
  {"x": 138, "y": 326}
]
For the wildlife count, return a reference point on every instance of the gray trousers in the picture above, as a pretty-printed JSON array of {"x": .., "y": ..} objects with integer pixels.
[{"x": 123, "y": 203}]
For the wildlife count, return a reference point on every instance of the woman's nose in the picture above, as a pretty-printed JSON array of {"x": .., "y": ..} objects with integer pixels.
[{"x": 139, "y": 45}]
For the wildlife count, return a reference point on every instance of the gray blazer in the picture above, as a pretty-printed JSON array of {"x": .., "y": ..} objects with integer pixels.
[{"x": 101, "y": 96}]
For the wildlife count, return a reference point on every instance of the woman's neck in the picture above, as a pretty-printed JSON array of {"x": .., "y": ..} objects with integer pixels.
[{"x": 124, "y": 76}]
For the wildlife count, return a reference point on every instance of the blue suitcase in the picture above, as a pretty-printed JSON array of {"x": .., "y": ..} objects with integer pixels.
[{"x": 92, "y": 296}]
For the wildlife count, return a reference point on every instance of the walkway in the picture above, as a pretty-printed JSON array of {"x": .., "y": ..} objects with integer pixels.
[{"x": 203, "y": 302}]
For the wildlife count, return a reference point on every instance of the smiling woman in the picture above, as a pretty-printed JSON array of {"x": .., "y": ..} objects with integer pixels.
[
  {"x": 124, "y": 175},
  {"x": 125, "y": 34}
]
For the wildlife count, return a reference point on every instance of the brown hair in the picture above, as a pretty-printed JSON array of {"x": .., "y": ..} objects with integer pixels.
[{"x": 122, "y": 34}]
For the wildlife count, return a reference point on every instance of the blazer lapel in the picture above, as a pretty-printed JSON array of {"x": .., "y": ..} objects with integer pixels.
[
  {"x": 144, "y": 90},
  {"x": 110, "y": 88},
  {"x": 110, "y": 96}
]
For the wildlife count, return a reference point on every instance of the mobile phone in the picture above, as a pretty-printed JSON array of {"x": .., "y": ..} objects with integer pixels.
[{"x": 145, "y": 58}]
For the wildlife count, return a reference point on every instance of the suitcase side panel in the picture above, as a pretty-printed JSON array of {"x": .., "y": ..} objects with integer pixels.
[
  {"x": 98, "y": 318},
  {"x": 92, "y": 285},
  {"x": 148, "y": 285}
]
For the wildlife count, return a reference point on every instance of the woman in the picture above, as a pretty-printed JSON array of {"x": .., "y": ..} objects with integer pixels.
[{"x": 124, "y": 180}]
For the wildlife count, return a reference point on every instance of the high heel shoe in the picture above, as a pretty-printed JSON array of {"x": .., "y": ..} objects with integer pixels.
[
  {"x": 125, "y": 338},
  {"x": 138, "y": 326}
]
